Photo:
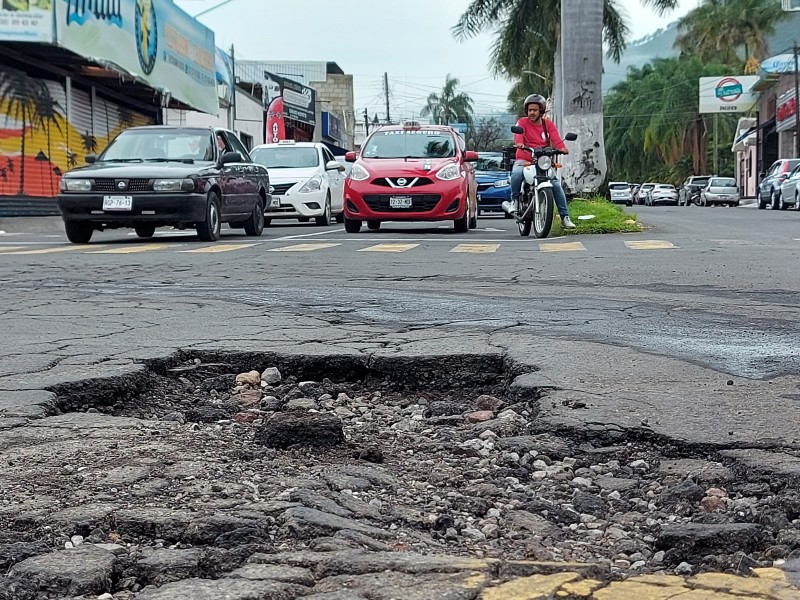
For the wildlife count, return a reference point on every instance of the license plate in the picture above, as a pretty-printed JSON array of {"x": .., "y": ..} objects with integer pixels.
[
  {"x": 400, "y": 202},
  {"x": 117, "y": 202}
]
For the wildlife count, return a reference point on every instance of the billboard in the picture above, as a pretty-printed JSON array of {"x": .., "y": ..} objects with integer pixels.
[
  {"x": 152, "y": 41},
  {"x": 727, "y": 94},
  {"x": 286, "y": 99},
  {"x": 26, "y": 21}
]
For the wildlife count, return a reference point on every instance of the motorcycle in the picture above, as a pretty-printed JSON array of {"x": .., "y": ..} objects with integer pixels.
[{"x": 536, "y": 200}]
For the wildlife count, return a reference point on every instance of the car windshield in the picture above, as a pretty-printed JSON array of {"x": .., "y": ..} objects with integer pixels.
[
  {"x": 160, "y": 145},
  {"x": 723, "y": 182},
  {"x": 286, "y": 157},
  {"x": 417, "y": 143},
  {"x": 489, "y": 162},
  {"x": 699, "y": 181}
]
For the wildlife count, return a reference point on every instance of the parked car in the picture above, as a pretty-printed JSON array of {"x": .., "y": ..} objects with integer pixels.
[
  {"x": 160, "y": 175},
  {"x": 494, "y": 185},
  {"x": 690, "y": 189},
  {"x": 307, "y": 181},
  {"x": 790, "y": 194},
  {"x": 769, "y": 188},
  {"x": 720, "y": 190},
  {"x": 644, "y": 191},
  {"x": 619, "y": 192},
  {"x": 412, "y": 172},
  {"x": 662, "y": 193}
]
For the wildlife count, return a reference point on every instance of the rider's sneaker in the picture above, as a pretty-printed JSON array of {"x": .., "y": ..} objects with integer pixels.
[
  {"x": 510, "y": 206},
  {"x": 567, "y": 223}
]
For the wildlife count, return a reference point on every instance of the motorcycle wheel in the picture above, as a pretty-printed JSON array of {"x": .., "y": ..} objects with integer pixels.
[
  {"x": 543, "y": 216},
  {"x": 525, "y": 223}
]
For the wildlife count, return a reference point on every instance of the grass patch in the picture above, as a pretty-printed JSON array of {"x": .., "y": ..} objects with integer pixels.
[{"x": 608, "y": 218}]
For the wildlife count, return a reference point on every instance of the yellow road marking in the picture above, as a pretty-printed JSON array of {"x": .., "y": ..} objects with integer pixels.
[
  {"x": 389, "y": 248},
  {"x": 649, "y": 244},
  {"x": 562, "y": 247},
  {"x": 10, "y": 248},
  {"x": 476, "y": 248},
  {"x": 135, "y": 249},
  {"x": 56, "y": 249},
  {"x": 303, "y": 247},
  {"x": 220, "y": 248}
]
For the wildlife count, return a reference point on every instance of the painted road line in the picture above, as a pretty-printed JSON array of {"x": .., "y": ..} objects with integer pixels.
[
  {"x": 303, "y": 247},
  {"x": 562, "y": 247},
  {"x": 649, "y": 245},
  {"x": 55, "y": 249},
  {"x": 476, "y": 248},
  {"x": 10, "y": 248},
  {"x": 219, "y": 248},
  {"x": 388, "y": 248},
  {"x": 135, "y": 249}
]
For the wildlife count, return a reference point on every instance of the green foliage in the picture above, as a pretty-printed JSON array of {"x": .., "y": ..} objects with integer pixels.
[
  {"x": 608, "y": 217},
  {"x": 449, "y": 106}
]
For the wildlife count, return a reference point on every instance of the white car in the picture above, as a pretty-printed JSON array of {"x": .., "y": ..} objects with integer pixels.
[
  {"x": 620, "y": 193},
  {"x": 306, "y": 182},
  {"x": 662, "y": 193}
]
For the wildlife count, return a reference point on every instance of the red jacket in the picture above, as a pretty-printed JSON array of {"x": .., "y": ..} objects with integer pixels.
[{"x": 534, "y": 137}]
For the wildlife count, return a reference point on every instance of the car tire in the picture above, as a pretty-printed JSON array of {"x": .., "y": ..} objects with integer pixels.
[
  {"x": 761, "y": 204},
  {"x": 145, "y": 230},
  {"x": 340, "y": 217},
  {"x": 78, "y": 232},
  {"x": 209, "y": 229},
  {"x": 473, "y": 221},
  {"x": 462, "y": 225},
  {"x": 373, "y": 225},
  {"x": 352, "y": 225},
  {"x": 781, "y": 204},
  {"x": 254, "y": 226},
  {"x": 773, "y": 200},
  {"x": 325, "y": 219}
]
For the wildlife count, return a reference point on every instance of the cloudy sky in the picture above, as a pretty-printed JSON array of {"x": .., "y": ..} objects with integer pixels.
[{"x": 410, "y": 41}]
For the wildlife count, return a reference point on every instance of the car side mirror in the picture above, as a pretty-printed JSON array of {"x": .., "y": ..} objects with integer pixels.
[
  {"x": 571, "y": 137},
  {"x": 230, "y": 157},
  {"x": 470, "y": 156},
  {"x": 91, "y": 158},
  {"x": 333, "y": 165},
  {"x": 517, "y": 129},
  {"x": 350, "y": 156}
]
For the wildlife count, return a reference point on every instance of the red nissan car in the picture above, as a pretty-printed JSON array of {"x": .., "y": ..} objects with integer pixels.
[{"x": 411, "y": 172}]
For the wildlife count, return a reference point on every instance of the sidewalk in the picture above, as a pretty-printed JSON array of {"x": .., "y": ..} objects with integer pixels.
[{"x": 31, "y": 225}]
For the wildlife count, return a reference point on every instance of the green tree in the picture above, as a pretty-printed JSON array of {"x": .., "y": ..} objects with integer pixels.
[{"x": 449, "y": 106}]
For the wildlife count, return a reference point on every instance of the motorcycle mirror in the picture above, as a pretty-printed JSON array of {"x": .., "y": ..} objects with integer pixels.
[
  {"x": 516, "y": 129},
  {"x": 571, "y": 137}
]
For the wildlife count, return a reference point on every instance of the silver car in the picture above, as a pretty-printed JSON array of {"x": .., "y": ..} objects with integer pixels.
[
  {"x": 662, "y": 193},
  {"x": 790, "y": 193},
  {"x": 720, "y": 190}
]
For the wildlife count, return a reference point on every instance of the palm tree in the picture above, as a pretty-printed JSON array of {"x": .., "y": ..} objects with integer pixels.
[
  {"x": 48, "y": 111},
  {"x": 449, "y": 106}
]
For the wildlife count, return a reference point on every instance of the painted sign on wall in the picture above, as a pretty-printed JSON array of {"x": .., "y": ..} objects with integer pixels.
[
  {"x": 153, "y": 41},
  {"x": 26, "y": 21}
]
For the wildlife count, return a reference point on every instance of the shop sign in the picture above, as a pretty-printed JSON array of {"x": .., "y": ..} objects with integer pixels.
[
  {"x": 727, "y": 94},
  {"x": 26, "y": 21},
  {"x": 331, "y": 127},
  {"x": 785, "y": 109},
  {"x": 153, "y": 41},
  {"x": 298, "y": 99}
]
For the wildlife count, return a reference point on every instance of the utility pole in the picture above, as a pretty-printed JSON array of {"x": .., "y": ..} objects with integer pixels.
[
  {"x": 386, "y": 89},
  {"x": 366, "y": 122},
  {"x": 232, "y": 113},
  {"x": 716, "y": 144},
  {"x": 796, "y": 106}
]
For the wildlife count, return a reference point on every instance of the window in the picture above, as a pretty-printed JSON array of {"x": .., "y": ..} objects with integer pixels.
[
  {"x": 419, "y": 143},
  {"x": 247, "y": 140},
  {"x": 237, "y": 146},
  {"x": 287, "y": 157}
]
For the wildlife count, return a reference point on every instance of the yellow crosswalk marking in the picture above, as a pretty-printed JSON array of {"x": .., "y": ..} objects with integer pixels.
[
  {"x": 649, "y": 244},
  {"x": 561, "y": 247},
  {"x": 476, "y": 248},
  {"x": 219, "y": 248},
  {"x": 55, "y": 249},
  {"x": 389, "y": 248},
  {"x": 10, "y": 248},
  {"x": 303, "y": 247},
  {"x": 134, "y": 249}
]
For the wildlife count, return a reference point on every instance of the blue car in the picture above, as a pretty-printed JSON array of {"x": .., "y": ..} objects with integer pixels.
[{"x": 494, "y": 185}]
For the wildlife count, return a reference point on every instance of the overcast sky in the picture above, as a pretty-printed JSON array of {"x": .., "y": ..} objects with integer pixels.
[{"x": 411, "y": 41}]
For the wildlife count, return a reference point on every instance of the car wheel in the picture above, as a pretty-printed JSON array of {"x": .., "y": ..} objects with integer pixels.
[
  {"x": 761, "y": 204},
  {"x": 145, "y": 230},
  {"x": 462, "y": 225},
  {"x": 78, "y": 232},
  {"x": 773, "y": 200},
  {"x": 340, "y": 217},
  {"x": 325, "y": 219},
  {"x": 473, "y": 221},
  {"x": 373, "y": 225},
  {"x": 209, "y": 230},
  {"x": 781, "y": 204},
  {"x": 254, "y": 226},
  {"x": 351, "y": 225}
]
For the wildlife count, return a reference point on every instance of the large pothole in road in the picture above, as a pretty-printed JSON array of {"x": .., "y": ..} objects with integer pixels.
[{"x": 207, "y": 461}]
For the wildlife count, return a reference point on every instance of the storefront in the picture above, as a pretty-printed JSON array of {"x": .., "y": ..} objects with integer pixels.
[{"x": 95, "y": 69}]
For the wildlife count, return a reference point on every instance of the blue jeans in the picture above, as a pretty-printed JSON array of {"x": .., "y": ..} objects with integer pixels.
[{"x": 558, "y": 191}]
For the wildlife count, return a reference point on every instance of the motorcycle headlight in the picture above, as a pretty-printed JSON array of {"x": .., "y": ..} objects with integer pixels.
[
  {"x": 75, "y": 185},
  {"x": 312, "y": 185},
  {"x": 502, "y": 182},
  {"x": 544, "y": 162},
  {"x": 358, "y": 173},
  {"x": 173, "y": 185},
  {"x": 449, "y": 173}
]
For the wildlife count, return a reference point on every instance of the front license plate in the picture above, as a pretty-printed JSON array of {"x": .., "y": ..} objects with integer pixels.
[
  {"x": 400, "y": 202},
  {"x": 117, "y": 202}
]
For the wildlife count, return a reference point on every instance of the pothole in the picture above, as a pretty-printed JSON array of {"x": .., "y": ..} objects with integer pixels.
[{"x": 180, "y": 472}]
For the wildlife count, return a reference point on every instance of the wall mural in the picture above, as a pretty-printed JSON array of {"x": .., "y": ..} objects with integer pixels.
[{"x": 37, "y": 141}]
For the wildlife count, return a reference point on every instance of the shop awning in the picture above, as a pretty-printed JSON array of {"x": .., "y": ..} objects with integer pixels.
[{"x": 765, "y": 125}]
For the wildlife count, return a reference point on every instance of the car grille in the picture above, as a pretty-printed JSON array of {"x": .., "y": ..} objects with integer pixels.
[
  {"x": 279, "y": 189},
  {"x": 410, "y": 182},
  {"x": 482, "y": 187},
  {"x": 134, "y": 185},
  {"x": 419, "y": 203}
]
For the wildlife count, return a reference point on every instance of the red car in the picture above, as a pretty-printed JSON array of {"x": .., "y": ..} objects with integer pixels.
[{"x": 411, "y": 172}]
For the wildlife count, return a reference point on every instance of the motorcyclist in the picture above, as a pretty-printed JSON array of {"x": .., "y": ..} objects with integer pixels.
[{"x": 538, "y": 133}]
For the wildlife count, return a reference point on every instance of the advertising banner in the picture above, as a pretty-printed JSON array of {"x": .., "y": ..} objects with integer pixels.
[
  {"x": 152, "y": 41},
  {"x": 331, "y": 127},
  {"x": 785, "y": 110},
  {"x": 26, "y": 21},
  {"x": 727, "y": 94},
  {"x": 781, "y": 63},
  {"x": 297, "y": 99}
]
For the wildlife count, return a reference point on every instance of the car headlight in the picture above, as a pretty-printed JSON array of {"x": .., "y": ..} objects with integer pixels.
[
  {"x": 358, "y": 173},
  {"x": 502, "y": 182},
  {"x": 544, "y": 162},
  {"x": 173, "y": 185},
  {"x": 449, "y": 173},
  {"x": 75, "y": 185},
  {"x": 312, "y": 185}
]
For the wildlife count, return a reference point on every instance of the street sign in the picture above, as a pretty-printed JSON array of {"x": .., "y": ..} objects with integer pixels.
[{"x": 727, "y": 94}]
